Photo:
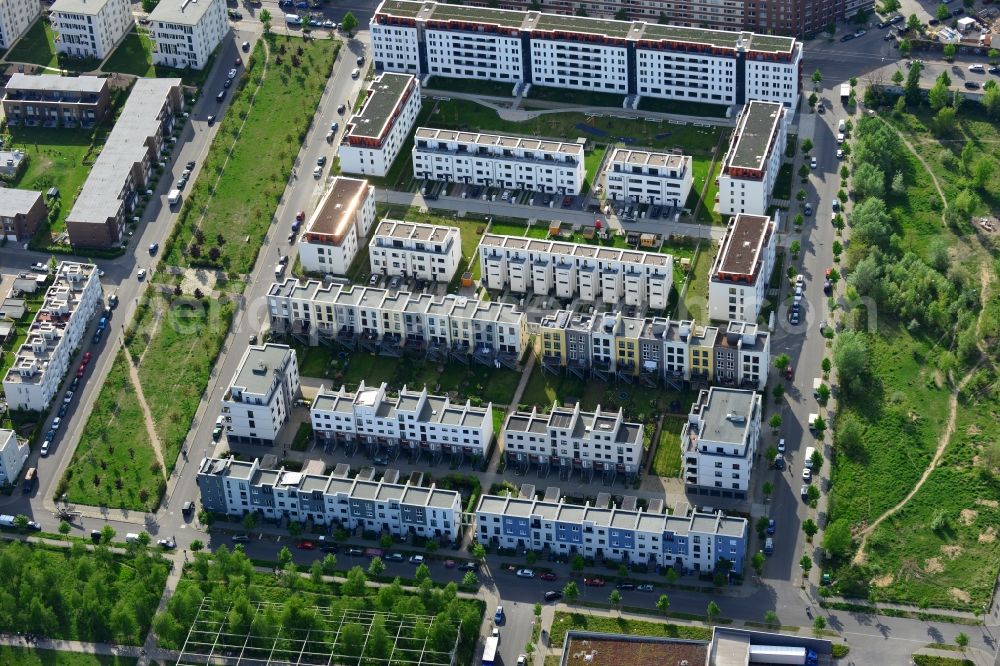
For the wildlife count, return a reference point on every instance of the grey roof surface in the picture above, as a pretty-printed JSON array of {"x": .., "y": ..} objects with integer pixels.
[
  {"x": 384, "y": 94},
  {"x": 720, "y": 406},
  {"x": 754, "y": 129},
  {"x": 126, "y": 145},
  {"x": 743, "y": 244},
  {"x": 91, "y": 7},
  {"x": 46, "y": 83},
  {"x": 184, "y": 12},
  {"x": 14, "y": 202},
  {"x": 256, "y": 372}
]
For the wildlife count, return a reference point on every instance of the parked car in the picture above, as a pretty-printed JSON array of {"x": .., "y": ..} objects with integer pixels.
[
  {"x": 307, "y": 545},
  {"x": 240, "y": 538},
  {"x": 594, "y": 582},
  {"x": 394, "y": 557},
  {"x": 770, "y": 526},
  {"x": 553, "y": 595},
  {"x": 625, "y": 586},
  {"x": 416, "y": 559},
  {"x": 167, "y": 544},
  {"x": 645, "y": 587},
  {"x": 498, "y": 616},
  {"x": 468, "y": 566},
  {"x": 972, "y": 85},
  {"x": 341, "y": 108},
  {"x": 355, "y": 73},
  {"x": 548, "y": 575},
  {"x": 355, "y": 552},
  {"x": 449, "y": 564},
  {"x": 789, "y": 371},
  {"x": 153, "y": 247},
  {"x": 188, "y": 508},
  {"x": 321, "y": 160},
  {"x": 44, "y": 451},
  {"x": 813, "y": 163},
  {"x": 807, "y": 474},
  {"x": 525, "y": 573}
]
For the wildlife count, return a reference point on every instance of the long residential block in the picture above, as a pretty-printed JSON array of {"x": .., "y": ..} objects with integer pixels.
[
  {"x": 574, "y": 439},
  {"x": 90, "y": 28},
  {"x": 125, "y": 166},
  {"x": 498, "y": 161},
  {"x": 412, "y": 250},
  {"x": 16, "y": 16},
  {"x": 655, "y": 350},
  {"x": 14, "y": 453},
  {"x": 55, "y": 101},
  {"x": 21, "y": 213},
  {"x": 689, "y": 541},
  {"x": 568, "y": 270},
  {"x": 186, "y": 32},
  {"x": 750, "y": 166},
  {"x": 375, "y": 135},
  {"x": 338, "y": 226},
  {"x": 719, "y": 442},
  {"x": 53, "y": 336},
  {"x": 408, "y": 421},
  {"x": 261, "y": 394},
  {"x": 739, "y": 277},
  {"x": 641, "y": 176},
  {"x": 579, "y": 53},
  {"x": 394, "y": 323},
  {"x": 238, "y": 488}
]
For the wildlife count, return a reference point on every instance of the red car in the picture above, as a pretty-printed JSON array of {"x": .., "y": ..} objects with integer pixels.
[
  {"x": 301, "y": 215},
  {"x": 789, "y": 371},
  {"x": 594, "y": 582},
  {"x": 82, "y": 369},
  {"x": 548, "y": 575},
  {"x": 449, "y": 564},
  {"x": 307, "y": 545},
  {"x": 86, "y": 358}
]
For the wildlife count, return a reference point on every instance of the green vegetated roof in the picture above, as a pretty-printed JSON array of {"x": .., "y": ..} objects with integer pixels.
[
  {"x": 754, "y": 134},
  {"x": 590, "y": 26}
]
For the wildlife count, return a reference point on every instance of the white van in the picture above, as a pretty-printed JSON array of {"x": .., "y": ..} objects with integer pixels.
[
  {"x": 810, "y": 450},
  {"x": 293, "y": 19},
  {"x": 131, "y": 537},
  {"x": 174, "y": 197}
]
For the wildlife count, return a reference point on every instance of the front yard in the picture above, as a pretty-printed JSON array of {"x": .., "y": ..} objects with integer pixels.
[
  {"x": 667, "y": 461},
  {"x": 38, "y": 47}
]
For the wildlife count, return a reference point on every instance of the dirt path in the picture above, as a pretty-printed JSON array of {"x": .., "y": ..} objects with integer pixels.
[
  {"x": 147, "y": 416},
  {"x": 986, "y": 278},
  {"x": 909, "y": 147}
]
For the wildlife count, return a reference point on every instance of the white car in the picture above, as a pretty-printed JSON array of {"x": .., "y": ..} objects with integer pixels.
[
  {"x": 141, "y": 274},
  {"x": 800, "y": 280},
  {"x": 355, "y": 73},
  {"x": 495, "y": 634},
  {"x": 807, "y": 474},
  {"x": 45, "y": 449},
  {"x": 813, "y": 163},
  {"x": 522, "y": 660},
  {"x": 976, "y": 68},
  {"x": 840, "y": 154},
  {"x": 525, "y": 573},
  {"x": 56, "y": 422},
  {"x": 318, "y": 172},
  {"x": 840, "y": 137},
  {"x": 416, "y": 559}
]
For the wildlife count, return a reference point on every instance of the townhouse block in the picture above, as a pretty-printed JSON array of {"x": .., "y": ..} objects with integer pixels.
[
  {"x": 640, "y": 176},
  {"x": 411, "y": 250},
  {"x": 55, "y": 101}
]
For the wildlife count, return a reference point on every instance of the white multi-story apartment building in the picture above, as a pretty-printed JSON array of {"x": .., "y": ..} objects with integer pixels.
[
  {"x": 688, "y": 541},
  {"x": 53, "y": 336},
  {"x": 238, "y": 487},
  {"x": 569, "y": 270},
  {"x": 660, "y": 179},
  {"x": 574, "y": 52},
  {"x": 413, "y": 420},
  {"x": 394, "y": 323},
  {"x": 90, "y": 28},
  {"x": 742, "y": 269},
  {"x": 498, "y": 161},
  {"x": 375, "y": 135},
  {"x": 338, "y": 227},
  {"x": 186, "y": 32},
  {"x": 567, "y": 438},
  {"x": 16, "y": 16},
  {"x": 750, "y": 167},
  {"x": 261, "y": 394},
  {"x": 13, "y": 455},
  {"x": 423, "y": 251},
  {"x": 719, "y": 442}
]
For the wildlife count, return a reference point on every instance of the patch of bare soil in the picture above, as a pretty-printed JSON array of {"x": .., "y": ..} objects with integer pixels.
[
  {"x": 883, "y": 581},
  {"x": 968, "y": 516},
  {"x": 951, "y": 551},
  {"x": 933, "y": 565}
]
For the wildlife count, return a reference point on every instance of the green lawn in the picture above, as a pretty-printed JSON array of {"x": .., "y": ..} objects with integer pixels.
[
  {"x": 38, "y": 47},
  {"x": 668, "y": 452},
  {"x": 175, "y": 344},
  {"x": 133, "y": 56},
  {"x": 707, "y": 213},
  {"x": 57, "y": 157},
  {"x": 696, "y": 296},
  {"x": 254, "y": 180},
  {"x": 683, "y": 107},
  {"x": 472, "y": 86},
  {"x": 783, "y": 183},
  {"x": 592, "y": 162},
  {"x": 565, "y": 622},
  {"x": 38, "y": 657},
  {"x": 114, "y": 464},
  {"x": 581, "y": 97}
]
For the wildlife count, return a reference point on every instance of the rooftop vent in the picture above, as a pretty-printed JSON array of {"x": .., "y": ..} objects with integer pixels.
[
  {"x": 736, "y": 417},
  {"x": 260, "y": 368}
]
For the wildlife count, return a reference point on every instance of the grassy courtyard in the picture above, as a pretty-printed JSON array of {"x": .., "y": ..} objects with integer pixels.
[
  {"x": 565, "y": 622},
  {"x": 133, "y": 56},
  {"x": 239, "y": 206},
  {"x": 667, "y": 461},
  {"x": 38, "y": 47},
  {"x": 695, "y": 303}
]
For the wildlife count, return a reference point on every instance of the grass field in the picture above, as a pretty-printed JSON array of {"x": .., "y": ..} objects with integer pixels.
[
  {"x": 472, "y": 86},
  {"x": 38, "y": 47},
  {"x": 581, "y": 97},
  {"x": 695, "y": 304},
  {"x": 114, "y": 464},
  {"x": 564, "y": 622},
  {"x": 37, "y": 657},
  {"x": 683, "y": 107},
  {"x": 133, "y": 56},
  {"x": 175, "y": 345},
  {"x": 254, "y": 179},
  {"x": 57, "y": 157},
  {"x": 668, "y": 452},
  {"x": 592, "y": 161}
]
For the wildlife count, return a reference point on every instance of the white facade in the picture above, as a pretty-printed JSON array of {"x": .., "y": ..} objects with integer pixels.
[
  {"x": 261, "y": 394},
  {"x": 498, "y": 161},
  {"x": 579, "y": 53},
  {"x": 661, "y": 179},
  {"x": 738, "y": 280},
  {"x": 186, "y": 32},
  {"x": 16, "y": 16},
  {"x": 90, "y": 28},
  {"x": 237, "y": 488},
  {"x": 375, "y": 135},
  {"x": 571, "y": 437},
  {"x": 422, "y": 251},
  {"x": 569, "y": 270},
  {"x": 390, "y": 322},
  {"x": 412, "y": 419},
  {"x": 338, "y": 227},
  {"x": 719, "y": 441},
  {"x": 53, "y": 337},
  {"x": 13, "y": 455},
  {"x": 750, "y": 167}
]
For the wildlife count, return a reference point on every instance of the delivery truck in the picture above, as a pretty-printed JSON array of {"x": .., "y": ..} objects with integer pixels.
[
  {"x": 782, "y": 654},
  {"x": 845, "y": 91}
]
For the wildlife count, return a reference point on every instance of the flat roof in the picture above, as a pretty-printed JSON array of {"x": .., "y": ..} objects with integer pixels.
[
  {"x": 126, "y": 145},
  {"x": 49, "y": 83},
  {"x": 584, "y": 649},
  {"x": 384, "y": 94},
  {"x": 89, "y": 7},
  {"x": 743, "y": 244},
  {"x": 335, "y": 213},
  {"x": 499, "y": 140},
  {"x": 649, "y": 158},
  {"x": 256, "y": 372},
  {"x": 15, "y": 202},
  {"x": 725, "y": 413},
  {"x": 531, "y": 21},
  {"x": 755, "y": 128},
  {"x": 184, "y": 12}
]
